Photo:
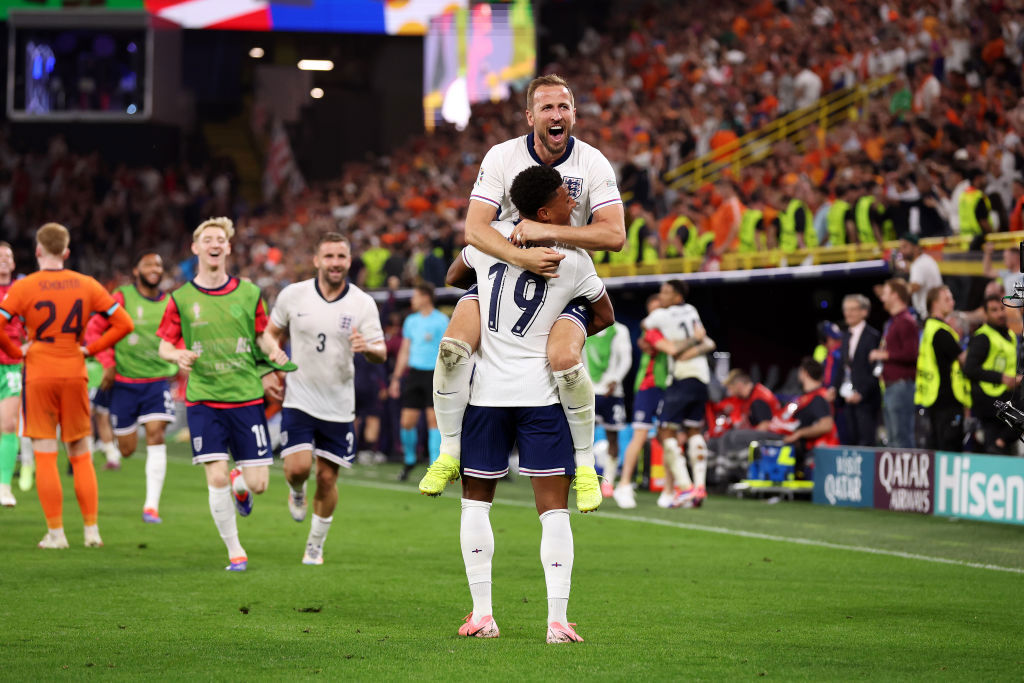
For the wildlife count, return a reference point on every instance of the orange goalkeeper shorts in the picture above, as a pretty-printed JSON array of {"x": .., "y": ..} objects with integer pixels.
[{"x": 49, "y": 402}]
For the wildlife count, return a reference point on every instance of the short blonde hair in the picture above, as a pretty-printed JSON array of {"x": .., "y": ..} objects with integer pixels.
[
  {"x": 541, "y": 81},
  {"x": 223, "y": 222},
  {"x": 53, "y": 238}
]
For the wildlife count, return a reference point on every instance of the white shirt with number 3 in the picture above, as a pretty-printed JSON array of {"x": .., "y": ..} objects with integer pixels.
[{"x": 319, "y": 331}]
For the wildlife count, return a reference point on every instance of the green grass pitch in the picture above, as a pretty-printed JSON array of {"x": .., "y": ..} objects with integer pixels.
[{"x": 722, "y": 592}]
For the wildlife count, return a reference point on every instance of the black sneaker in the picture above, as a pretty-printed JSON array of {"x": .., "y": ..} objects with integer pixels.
[{"x": 406, "y": 470}]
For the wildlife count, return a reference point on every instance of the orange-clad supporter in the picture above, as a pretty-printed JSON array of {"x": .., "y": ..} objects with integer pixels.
[
  {"x": 55, "y": 304},
  {"x": 1016, "y": 222},
  {"x": 725, "y": 221},
  {"x": 763, "y": 10},
  {"x": 993, "y": 50},
  {"x": 722, "y": 138},
  {"x": 740, "y": 26}
]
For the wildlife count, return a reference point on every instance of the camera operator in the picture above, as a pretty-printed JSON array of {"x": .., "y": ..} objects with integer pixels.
[{"x": 991, "y": 366}]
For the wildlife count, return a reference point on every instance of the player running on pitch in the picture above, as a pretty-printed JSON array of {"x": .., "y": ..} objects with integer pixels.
[
  {"x": 10, "y": 389},
  {"x": 596, "y": 223},
  {"x": 328, "y": 320},
  {"x": 55, "y": 304},
  {"x": 221, "y": 320},
  {"x": 139, "y": 378},
  {"x": 515, "y": 401}
]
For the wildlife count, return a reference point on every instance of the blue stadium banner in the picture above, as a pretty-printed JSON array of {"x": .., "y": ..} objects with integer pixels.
[
  {"x": 844, "y": 477},
  {"x": 983, "y": 487}
]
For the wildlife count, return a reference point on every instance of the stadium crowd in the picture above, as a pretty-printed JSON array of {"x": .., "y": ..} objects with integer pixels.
[{"x": 663, "y": 84}]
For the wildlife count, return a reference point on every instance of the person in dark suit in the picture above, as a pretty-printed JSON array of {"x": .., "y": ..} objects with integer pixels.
[{"x": 858, "y": 396}]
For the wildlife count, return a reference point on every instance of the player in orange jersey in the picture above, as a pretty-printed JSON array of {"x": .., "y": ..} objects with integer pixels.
[{"x": 55, "y": 304}]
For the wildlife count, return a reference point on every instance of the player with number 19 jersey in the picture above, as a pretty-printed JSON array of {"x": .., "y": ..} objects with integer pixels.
[
  {"x": 586, "y": 174},
  {"x": 517, "y": 310}
]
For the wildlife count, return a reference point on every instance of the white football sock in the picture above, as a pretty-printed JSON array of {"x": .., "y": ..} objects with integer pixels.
[
  {"x": 576, "y": 394},
  {"x": 609, "y": 463},
  {"x": 240, "y": 486},
  {"x": 318, "y": 530},
  {"x": 297, "y": 489},
  {"x": 477, "y": 542},
  {"x": 222, "y": 507},
  {"x": 156, "y": 471},
  {"x": 111, "y": 451},
  {"x": 674, "y": 463},
  {"x": 556, "y": 554},
  {"x": 697, "y": 450},
  {"x": 452, "y": 373},
  {"x": 26, "y": 454}
]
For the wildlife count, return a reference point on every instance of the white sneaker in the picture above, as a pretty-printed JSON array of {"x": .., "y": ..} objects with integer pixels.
[
  {"x": 54, "y": 540},
  {"x": 314, "y": 554},
  {"x": 297, "y": 503},
  {"x": 92, "y": 537},
  {"x": 7, "y": 496},
  {"x": 665, "y": 499},
  {"x": 624, "y": 496}
]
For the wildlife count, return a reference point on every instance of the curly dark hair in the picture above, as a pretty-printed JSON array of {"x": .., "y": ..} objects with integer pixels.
[
  {"x": 813, "y": 368},
  {"x": 533, "y": 188},
  {"x": 682, "y": 289}
]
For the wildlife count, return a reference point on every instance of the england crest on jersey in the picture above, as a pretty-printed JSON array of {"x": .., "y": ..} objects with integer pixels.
[
  {"x": 574, "y": 186},
  {"x": 345, "y": 321}
]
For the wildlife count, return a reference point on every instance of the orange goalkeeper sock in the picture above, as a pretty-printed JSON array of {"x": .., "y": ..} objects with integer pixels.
[
  {"x": 86, "y": 489},
  {"x": 51, "y": 495}
]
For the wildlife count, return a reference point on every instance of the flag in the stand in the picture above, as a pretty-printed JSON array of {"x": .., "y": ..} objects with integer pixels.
[
  {"x": 250, "y": 15},
  {"x": 281, "y": 172}
]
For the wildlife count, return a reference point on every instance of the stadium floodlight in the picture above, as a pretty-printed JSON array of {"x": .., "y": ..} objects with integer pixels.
[
  {"x": 316, "y": 64},
  {"x": 257, "y": 52},
  {"x": 316, "y": 93}
]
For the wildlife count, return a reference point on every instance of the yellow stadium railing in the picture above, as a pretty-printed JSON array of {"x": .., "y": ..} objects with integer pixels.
[
  {"x": 964, "y": 263},
  {"x": 796, "y": 127}
]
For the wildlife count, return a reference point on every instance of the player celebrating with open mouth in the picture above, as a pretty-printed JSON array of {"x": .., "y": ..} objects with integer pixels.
[{"x": 221, "y": 319}]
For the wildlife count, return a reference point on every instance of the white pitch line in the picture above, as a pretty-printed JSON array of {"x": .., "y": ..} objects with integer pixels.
[{"x": 733, "y": 532}]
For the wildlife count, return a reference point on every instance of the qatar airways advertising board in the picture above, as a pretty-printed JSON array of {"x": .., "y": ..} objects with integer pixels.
[{"x": 903, "y": 480}]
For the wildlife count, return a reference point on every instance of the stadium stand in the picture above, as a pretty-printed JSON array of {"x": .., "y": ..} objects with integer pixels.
[{"x": 666, "y": 84}]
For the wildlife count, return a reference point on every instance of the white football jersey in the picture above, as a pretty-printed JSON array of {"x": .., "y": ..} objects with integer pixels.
[
  {"x": 319, "y": 331},
  {"x": 678, "y": 323},
  {"x": 517, "y": 310},
  {"x": 586, "y": 174}
]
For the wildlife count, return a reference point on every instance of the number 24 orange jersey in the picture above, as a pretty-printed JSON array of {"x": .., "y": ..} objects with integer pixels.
[{"x": 56, "y": 305}]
